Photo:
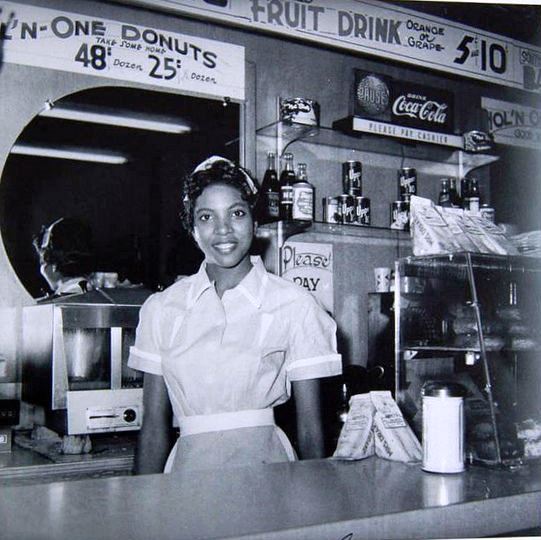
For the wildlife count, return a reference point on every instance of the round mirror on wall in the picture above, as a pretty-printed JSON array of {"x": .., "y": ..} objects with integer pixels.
[{"x": 112, "y": 158}]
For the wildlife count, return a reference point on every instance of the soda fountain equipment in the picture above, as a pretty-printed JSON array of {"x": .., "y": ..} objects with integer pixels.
[{"x": 75, "y": 351}]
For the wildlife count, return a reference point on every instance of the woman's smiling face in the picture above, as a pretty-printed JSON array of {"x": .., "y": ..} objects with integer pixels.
[{"x": 223, "y": 226}]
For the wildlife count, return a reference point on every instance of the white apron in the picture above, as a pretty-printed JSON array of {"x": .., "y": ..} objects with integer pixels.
[{"x": 234, "y": 438}]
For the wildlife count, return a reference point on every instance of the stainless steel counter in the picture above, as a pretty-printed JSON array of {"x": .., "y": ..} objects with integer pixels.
[{"x": 320, "y": 499}]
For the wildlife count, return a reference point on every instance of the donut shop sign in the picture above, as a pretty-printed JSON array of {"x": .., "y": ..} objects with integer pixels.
[
  {"x": 513, "y": 124},
  {"x": 385, "y": 30},
  {"x": 91, "y": 45}
]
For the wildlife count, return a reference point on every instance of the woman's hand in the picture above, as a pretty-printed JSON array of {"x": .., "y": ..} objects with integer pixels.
[{"x": 309, "y": 425}]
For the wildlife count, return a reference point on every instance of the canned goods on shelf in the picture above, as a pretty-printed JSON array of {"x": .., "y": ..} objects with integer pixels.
[
  {"x": 471, "y": 204},
  {"x": 407, "y": 182},
  {"x": 400, "y": 215},
  {"x": 331, "y": 212},
  {"x": 352, "y": 173},
  {"x": 488, "y": 212},
  {"x": 346, "y": 209},
  {"x": 362, "y": 210}
]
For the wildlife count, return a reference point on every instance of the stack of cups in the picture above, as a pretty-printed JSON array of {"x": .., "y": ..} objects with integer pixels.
[{"x": 384, "y": 277}]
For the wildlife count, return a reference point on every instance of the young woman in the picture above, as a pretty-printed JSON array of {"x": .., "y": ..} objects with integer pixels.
[{"x": 227, "y": 344}]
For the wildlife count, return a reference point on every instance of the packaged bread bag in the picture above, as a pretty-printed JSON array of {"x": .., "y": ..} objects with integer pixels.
[
  {"x": 356, "y": 439},
  {"x": 393, "y": 438},
  {"x": 375, "y": 425},
  {"x": 453, "y": 218},
  {"x": 494, "y": 235},
  {"x": 478, "y": 234},
  {"x": 430, "y": 232}
]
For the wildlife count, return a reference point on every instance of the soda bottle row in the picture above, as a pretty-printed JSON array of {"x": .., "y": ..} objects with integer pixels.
[
  {"x": 289, "y": 197},
  {"x": 469, "y": 197}
]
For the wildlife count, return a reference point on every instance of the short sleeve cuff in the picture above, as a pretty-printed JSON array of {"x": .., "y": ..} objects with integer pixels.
[
  {"x": 315, "y": 368},
  {"x": 144, "y": 361}
]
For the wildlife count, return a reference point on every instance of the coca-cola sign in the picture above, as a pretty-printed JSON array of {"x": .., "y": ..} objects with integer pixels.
[
  {"x": 422, "y": 107},
  {"x": 382, "y": 98},
  {"x": 428, "y": 111}
]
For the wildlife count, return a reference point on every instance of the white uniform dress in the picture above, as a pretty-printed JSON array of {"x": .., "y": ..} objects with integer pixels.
[{"x": 226, "y": 362}]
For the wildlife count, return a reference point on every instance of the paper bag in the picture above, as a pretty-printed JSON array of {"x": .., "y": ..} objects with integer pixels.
[
  {"x": 375, "y": 425},
  {"x": 356, "y": 439},
  {"x": 430, "y": 231},
  {"x": 437, "y": 229},
  {"x": 393, "y": 437}
]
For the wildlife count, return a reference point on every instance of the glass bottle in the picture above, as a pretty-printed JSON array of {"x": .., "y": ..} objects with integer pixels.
[
  {"x": 474, "y": 197},
  {"x": 455, "y": 197},
  {"x": 343, "y": 408},
  {"x": 464, "y": 192},
  {"x": 338, "y": 415},
  {"x": 268, "y": 207},
  {"x": 287, "y": 179},
  {"x": 303, "y": 196},
  {"x": 444, "y": 198},
  {"x": 512, "y": 299}
]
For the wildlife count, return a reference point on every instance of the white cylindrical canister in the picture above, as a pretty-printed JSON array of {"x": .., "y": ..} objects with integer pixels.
[{"x": 443, "y": 427}]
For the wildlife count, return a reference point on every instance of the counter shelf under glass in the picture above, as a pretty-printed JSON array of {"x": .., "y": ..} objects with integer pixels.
[
  {"x": 272, "y": 236},
  {"x": 383, "y": 150},
  {"x": 474, "y": 319},
  {"x": 294, "y": 227}
]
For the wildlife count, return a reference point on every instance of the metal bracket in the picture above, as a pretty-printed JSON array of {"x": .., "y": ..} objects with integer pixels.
[{"x": 409, "y": 355}]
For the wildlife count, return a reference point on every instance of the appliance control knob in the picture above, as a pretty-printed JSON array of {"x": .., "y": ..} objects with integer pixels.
[{"x": 129, "y": 415}]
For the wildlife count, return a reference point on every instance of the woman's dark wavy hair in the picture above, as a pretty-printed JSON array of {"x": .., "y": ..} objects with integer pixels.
[
  {"x": 221, "y": 171},
  {"x": 67, "y": 243}
]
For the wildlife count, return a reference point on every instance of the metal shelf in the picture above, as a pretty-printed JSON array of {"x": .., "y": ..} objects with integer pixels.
[
  {"x": 444, "y": 348},
  {"x": 455, "y": 265},
  {"x": 441, "y": 348},
  {"x": 335, "y": 229}
]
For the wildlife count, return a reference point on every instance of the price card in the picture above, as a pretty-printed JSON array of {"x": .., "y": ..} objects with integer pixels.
[
  {"x": 530, "y": 62},
  {"x": 384, "y": 29},
  {"x": 64, "y": 41},
  {"x": 483, "y": 55}
]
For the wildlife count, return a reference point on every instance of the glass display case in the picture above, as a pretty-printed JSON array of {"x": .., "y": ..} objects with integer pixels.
[{"x": 474, "y": 319}]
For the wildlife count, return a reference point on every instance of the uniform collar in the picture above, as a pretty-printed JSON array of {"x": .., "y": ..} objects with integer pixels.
[
  {"x": 251, "y": 287},
  {"x": 200, "y": 284},
  {"x": 254, "y": 283}
]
